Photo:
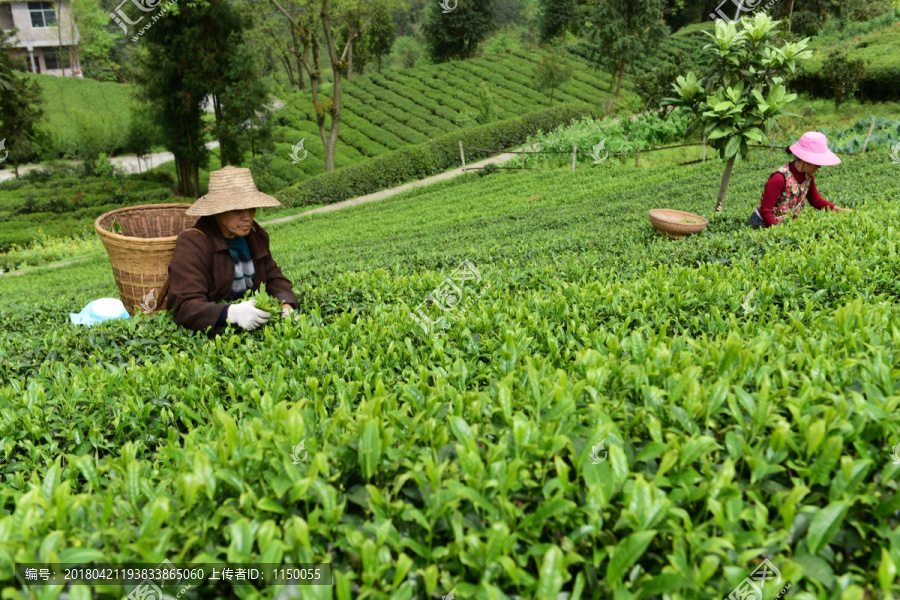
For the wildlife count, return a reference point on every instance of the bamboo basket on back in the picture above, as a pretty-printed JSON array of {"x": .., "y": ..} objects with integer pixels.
[{"x": 140, "y": 250}]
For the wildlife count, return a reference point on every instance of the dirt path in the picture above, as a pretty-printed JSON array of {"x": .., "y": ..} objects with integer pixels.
[
  {"x": 500, "y": 158},
  {"x": 47, "y": 266}
]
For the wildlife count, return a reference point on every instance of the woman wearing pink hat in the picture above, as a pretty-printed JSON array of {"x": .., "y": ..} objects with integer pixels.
[{"x": 793, "y": 183}]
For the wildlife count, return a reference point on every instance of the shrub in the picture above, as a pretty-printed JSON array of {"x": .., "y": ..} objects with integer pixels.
[{"x": 844, "y": 74}]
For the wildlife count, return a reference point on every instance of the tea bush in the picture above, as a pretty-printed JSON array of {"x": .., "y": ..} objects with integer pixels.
[
  {"x": 62, "y": 202},
  {"x": 744, "y": 383}
]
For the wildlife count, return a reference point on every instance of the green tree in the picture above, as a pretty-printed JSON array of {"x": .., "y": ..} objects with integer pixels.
[
  {"x": 95, "y": 40},
  {"x": 143, "y": 132},
  {"x": 844, "y": 74},
  {"x": 455, "y": 35},
  {"x": 95, "y": 137},
  {"x": 557, "y": 17},
  {"x": 173, "y": 76},
  {"x": 621, "y": 30},
  {"x": 21, "y": 106},
  {"x": 192, "y": 52},
  {"x": 234, "y": 80},
  {"x": 317, "y": 24},
  {"x": 553, "y": 71},
  {"x": 379, "y": 37},
  {"x": 744, "y": 92},
  {"x": 652, "y": 86}
]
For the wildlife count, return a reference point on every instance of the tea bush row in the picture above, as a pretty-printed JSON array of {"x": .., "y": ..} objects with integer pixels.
[{"x": 411, "y": 106}]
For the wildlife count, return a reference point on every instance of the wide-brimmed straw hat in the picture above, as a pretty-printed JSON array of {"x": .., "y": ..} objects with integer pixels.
[
  {"x": 812, "y": 147},
  {"x": 231, "y": 188}
]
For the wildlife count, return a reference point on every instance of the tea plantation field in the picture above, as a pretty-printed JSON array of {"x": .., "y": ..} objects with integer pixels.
[
  {"x": 744, "y": 385},
  {"x": 384, "y": 112}
]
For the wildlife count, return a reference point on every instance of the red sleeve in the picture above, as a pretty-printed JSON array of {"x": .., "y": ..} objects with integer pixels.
[
  {"x": 815, "y": 198},
  {"x": 774, "y": 188}
]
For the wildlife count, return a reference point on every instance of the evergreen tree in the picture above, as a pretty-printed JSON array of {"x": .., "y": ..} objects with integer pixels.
[
  {"x": 621, "y": 30},
  {"x": 188, "y": 56},
  {"x": 557, "y": 17},
  {"x": 455, "y": 35},
  {"x": 21, "y": 106},
  {"x": 379, "y": 38}
]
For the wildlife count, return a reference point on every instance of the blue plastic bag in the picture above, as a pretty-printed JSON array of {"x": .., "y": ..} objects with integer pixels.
[{"x": 97, "y": 311}]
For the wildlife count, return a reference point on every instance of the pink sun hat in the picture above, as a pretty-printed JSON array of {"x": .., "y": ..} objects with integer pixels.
[{"x": 812, "y": 147}]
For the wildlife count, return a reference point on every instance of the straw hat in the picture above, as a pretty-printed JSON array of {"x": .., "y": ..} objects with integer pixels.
[{"x": 231, "y": 188}]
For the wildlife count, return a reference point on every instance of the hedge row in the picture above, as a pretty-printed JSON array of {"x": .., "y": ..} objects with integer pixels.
[{"x": 429, "y": 158}]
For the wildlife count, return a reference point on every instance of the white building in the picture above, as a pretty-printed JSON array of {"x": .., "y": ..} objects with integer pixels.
[{"x": 46, "y": 36}]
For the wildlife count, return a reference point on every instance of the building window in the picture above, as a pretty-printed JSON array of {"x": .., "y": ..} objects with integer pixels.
[
  {"x": 42, "y": 14},
  {"x": 53, "y": 60}
]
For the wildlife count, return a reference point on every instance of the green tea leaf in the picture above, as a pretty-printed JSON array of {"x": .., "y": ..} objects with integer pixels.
[
  {"x": 370, "y": 450},
  {"x": 551, "y": 576},
  {"x": 626, "y": 553},
  {"x": 825, "y": 525}
]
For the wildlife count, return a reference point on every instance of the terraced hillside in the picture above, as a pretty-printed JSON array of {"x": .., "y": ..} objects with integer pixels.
[{"x": 385, "y": 112}]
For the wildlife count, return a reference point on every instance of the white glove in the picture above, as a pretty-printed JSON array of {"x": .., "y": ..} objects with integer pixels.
[
  {"x": 246, "y": 315},
  {"x": 286, "y": 310}
]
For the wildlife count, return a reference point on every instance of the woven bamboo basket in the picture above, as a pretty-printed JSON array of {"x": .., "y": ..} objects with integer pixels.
[
  {"x": 141, "y": 252},
  {"x": 670, "y": 222}
]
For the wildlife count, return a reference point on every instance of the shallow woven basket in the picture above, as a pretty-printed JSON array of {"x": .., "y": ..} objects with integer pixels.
[
  {"x": 668, "y": 221},
  {"x": 141, "y": 253}
]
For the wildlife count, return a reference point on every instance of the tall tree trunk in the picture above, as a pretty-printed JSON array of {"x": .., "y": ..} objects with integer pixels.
[
  {"x": 790, "y": 15},
  {"x": 285, "y": 59},
  {"x": 723, "y": 189},
  {"x": 305, "y": 56},
  {"x": 182, "y": 176},
  {"x": 350, "y": 62},
  {"x": 223, "y": 143},
  {"x": 621, "y": 74}
]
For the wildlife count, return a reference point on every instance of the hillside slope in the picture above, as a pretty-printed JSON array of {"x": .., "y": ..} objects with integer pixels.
[
  {"x": 98, "y": 108},
  {"x": 388, "y": 111}
]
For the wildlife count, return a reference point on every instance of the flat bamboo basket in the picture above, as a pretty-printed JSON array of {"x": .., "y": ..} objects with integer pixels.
[
  {"x": 140, "y": 250},
  {"x": 669, "y": 222}
]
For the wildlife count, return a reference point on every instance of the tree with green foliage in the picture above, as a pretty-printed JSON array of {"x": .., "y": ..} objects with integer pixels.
[
  {"x": 455, "y": 35},
  {"x": 652, "y": 86},
  {"x": 621, "y": 30},
  {"x": 552, "y": 71},
  {"x": 236, "y": 89},
  {"x": 95, "y": 137},
  {"x": 143, "y": 132},
  {"x": 95, "y": 40},
  {"x": 844, "y": 74},
  {"x": 379, "y": 37},
  {"x": 192, "y": 51},
  {"x": 172, "y": 79},
  {"x": 317, "y": 24},
  {"x": 557, "y": 17},
  {"x": 21, "y": 106},
  {"x": 743, "y": 93}
]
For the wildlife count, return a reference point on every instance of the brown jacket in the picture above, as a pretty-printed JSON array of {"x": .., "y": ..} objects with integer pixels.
[{"x": 202, "y": 271}]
